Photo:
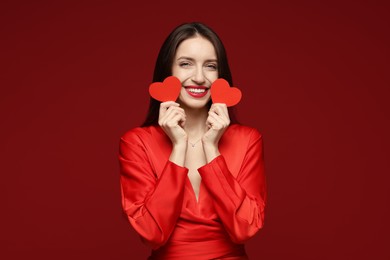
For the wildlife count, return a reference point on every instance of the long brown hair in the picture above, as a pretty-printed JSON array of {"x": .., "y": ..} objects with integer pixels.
[{"x": 163, "y": 67}]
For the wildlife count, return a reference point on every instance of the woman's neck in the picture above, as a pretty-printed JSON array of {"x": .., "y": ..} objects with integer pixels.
[{"x": 195, "y": 125}]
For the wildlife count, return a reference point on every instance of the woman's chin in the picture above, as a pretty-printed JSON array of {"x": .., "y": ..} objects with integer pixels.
[{"x": 194, "y": 104}]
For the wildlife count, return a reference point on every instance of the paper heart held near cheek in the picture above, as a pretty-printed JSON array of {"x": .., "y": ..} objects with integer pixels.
[
  {"x": 168, "y": 90},
  {"x": 221, "y": 92}
]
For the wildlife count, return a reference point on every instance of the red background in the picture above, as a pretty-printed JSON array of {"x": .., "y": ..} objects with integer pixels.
[{"x": 315, "y": 82}]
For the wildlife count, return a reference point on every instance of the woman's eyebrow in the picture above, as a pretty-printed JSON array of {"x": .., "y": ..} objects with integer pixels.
[
  {"x": 192, "y": 59},
  {"x": 185, "y": 58}
]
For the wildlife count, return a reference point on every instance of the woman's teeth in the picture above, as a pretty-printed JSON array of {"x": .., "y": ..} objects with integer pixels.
[{"x": 196, "y": 90}]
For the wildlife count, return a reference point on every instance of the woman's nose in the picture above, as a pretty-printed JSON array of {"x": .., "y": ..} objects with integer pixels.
[{"x": 198, "y": 77}]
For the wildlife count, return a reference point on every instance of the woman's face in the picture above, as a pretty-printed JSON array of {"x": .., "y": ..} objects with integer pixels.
[{"x": 195, "y": 64}]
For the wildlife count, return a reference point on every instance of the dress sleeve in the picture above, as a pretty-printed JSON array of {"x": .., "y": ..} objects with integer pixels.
[
  {"x": 151, "y": 204},
  {"x": 240, "y": 201}
]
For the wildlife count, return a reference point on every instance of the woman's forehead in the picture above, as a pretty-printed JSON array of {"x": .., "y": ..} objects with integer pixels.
[{"x": 196, "y": 48}]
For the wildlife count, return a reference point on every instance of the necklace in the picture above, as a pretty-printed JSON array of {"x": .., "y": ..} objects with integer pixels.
[{"x": 193, "y": 144}]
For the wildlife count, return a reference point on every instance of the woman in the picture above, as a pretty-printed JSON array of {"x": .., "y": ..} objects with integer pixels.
[{"x": 192, "y": 181}]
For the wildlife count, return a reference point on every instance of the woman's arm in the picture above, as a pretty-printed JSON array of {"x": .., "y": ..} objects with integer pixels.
[
  {"x": 240, "y": 201},
  {"x": 151, "y": 204}
]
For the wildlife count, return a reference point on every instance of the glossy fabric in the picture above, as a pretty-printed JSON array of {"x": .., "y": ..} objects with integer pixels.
[{"x": 160, "y": 202}]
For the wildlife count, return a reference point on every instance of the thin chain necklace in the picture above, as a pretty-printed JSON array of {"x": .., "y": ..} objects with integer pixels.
[{"x": 193, "y": 144}]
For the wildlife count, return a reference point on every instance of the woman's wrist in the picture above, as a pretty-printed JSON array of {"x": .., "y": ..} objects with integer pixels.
[
  {"x": 211, "y": 151},
  {"x": 178, "y": 153}
]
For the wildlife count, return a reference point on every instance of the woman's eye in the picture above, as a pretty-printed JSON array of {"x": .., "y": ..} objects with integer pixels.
[
  {"x": 184, "y": 64},
  {"x": 212, "y": 66}
]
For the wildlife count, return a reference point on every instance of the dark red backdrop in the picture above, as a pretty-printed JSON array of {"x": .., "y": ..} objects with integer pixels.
[{"x": 315, "y": 82}]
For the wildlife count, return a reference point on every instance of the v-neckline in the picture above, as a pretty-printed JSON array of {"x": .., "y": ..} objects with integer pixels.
[
  {"x": 188, "y": 181},
  {"x": 193, "y": 194}
]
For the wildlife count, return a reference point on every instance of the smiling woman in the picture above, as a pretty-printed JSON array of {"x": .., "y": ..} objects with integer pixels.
[
  {"x": 192, "y": 178},
  {"x": 195, "y": 65}
]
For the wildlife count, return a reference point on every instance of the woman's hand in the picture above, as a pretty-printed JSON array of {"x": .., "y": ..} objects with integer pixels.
[
  {"x": 217, "y": 122},
  {"x": 172, "y": 119}
]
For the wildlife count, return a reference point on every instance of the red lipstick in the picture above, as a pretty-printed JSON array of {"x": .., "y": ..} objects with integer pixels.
[{"x": 197, "y": 91}]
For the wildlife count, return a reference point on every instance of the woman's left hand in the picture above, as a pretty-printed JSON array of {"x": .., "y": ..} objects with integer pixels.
[{"x": 217, "y": 122}]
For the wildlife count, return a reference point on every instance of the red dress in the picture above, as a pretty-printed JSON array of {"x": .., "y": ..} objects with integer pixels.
[{"x": 158, "y": 198}]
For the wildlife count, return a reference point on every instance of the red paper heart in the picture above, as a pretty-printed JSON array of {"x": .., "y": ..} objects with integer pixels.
[
  {"x": 168, "y": 90},
  {"x": 221, "y": 92}
]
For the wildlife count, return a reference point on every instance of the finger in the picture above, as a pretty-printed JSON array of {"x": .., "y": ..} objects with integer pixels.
[
  {"x": 214, "y": 124},
  {"x": 169, "y": 103},
  {"x": 174, "y": 121},
  {"x": 182, "y": 122},
  {"x": 221, "y": 109},
  {"x": 220, "y": 115},
  {"x": 171, "y": 110},
  {"x": 217, "y": 118},
  {"x": 174, "y": 109},
  {"x": 223, "y": 122},
  {"x": 172, "y": 116},
  {"x": 222, "y": 112},
  {"x": 210, "y": 122},
  {"x": 212, "y": 108},
  {"x": 165, "y": 105},
  {"x": 181, "y": 112}
]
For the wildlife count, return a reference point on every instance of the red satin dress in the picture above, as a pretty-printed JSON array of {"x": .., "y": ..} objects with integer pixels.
[{"x": 158, "y": 198}]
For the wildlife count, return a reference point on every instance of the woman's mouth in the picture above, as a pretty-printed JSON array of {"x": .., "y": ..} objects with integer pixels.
[{"x": 197, "y": 91}]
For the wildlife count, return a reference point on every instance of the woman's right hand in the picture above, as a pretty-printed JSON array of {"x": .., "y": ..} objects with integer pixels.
[{"x": 172, "y": 119}]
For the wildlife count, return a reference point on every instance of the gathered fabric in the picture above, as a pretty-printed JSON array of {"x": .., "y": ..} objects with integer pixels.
[{"x": 160, "y": 203}]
